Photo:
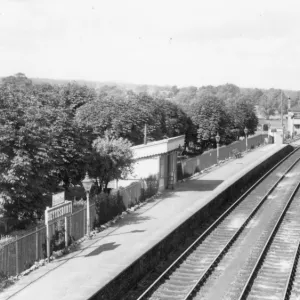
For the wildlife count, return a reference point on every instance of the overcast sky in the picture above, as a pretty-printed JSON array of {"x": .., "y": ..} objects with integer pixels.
[{"x": 196, "y": 42}]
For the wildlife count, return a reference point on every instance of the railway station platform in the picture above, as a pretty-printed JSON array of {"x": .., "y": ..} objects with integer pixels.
[{"x": 80, "y": 274}]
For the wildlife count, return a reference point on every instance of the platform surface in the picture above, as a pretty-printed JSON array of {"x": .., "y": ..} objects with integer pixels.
[{"x": 80, "y": 274}]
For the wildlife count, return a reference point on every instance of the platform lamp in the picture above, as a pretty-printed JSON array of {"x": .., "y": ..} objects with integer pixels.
[
  {"x": 246, "y": 134},
  {"x": 218, "y": 141},
  {"x": 87, "y": 183}
]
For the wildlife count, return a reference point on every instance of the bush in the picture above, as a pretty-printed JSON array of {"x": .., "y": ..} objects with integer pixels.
[
  {"x": 57, "y": 241},
  {"x": 108, "y": 206},
  {"x": 151, "y": 188},
  {"x": 265, "y": 127}
]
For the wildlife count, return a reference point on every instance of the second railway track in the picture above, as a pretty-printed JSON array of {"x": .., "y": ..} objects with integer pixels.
[{"x": 195, "y": 273}]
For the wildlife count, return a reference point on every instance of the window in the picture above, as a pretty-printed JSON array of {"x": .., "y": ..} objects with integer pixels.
[{"x": 297, "y": 126}]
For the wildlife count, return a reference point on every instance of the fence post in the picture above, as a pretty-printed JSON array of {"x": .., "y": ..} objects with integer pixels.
[
  {"x": 17, "y": 256},
  {"x": 71, "y": 228},
  {"x": 84, "y": 223},
  {"x": 36, "y": 244},
  {"x": 66, "y": 232},
  {"x": 47, "y": 233}
]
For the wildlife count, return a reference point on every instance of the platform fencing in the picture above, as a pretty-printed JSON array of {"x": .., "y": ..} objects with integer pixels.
[
  {"x": 198, "y": 163},
  {"x": 132, "y": 193},
  {"x": 20, "y": 254}
]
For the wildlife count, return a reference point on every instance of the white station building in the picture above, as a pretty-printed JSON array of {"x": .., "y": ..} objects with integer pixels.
[
  {"x": 293, "y": 121},
  {"x": 158, "y": 158}
]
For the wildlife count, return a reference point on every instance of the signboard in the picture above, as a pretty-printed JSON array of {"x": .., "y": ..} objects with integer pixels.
[
  {"x": 59, "y": 211},
  {"x": 52, "y": 214},
  {"x": 296, "y": 115},
  {"x": 58, "y": 198}
]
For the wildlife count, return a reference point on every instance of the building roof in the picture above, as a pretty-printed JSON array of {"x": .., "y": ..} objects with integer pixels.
[{"x": 157, "y": 147}]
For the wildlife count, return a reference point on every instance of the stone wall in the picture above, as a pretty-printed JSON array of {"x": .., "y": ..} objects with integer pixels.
[{"x": 135, "y": 272}]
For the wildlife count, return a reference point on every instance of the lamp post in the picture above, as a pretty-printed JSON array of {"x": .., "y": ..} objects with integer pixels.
[
  {"x": 246, "y": 134},
  {"x": 218, "y": 141},
  {"x": 87, "y": 183}
]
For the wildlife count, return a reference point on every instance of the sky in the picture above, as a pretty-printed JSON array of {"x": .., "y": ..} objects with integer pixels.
[{"x": 164, "y": 42}]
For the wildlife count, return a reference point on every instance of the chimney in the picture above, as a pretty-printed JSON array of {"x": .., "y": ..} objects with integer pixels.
[{"x": 145, "y": 134}]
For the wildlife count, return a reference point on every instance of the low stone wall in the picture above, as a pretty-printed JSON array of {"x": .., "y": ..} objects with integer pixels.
[{"x": 135, "y": 272}]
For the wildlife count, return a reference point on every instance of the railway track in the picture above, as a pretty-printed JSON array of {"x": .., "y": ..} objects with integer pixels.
[
  {"x": 272, "y": 272},
  {"x": 293, "y": 284},
  {"x": 198, "y": 268}
]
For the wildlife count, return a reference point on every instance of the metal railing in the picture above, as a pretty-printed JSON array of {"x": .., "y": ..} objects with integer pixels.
[{"x": 20, "y": 254}]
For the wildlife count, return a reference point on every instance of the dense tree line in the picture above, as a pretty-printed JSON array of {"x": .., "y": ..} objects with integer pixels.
[
  {"x": 51, "y": 134},
  {"x": 126, "y": 117}
]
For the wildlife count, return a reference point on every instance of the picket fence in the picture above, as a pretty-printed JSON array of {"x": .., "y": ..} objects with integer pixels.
[
  {"x": 20, "y": 254},
  {"x": 190, "y": 166}
]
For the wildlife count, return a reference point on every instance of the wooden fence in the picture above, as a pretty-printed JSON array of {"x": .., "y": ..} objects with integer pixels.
[
  {"x": 20, "y": 254},
  {"x": 131, "y": 194},
  {"x": 195, "y": 164}
]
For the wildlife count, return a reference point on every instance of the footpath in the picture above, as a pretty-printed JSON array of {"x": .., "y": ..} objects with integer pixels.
[{"x": 83, "y": 272}]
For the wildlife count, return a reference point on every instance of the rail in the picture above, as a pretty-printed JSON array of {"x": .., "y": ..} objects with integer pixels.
[
  {"x": 178, "y": 261},
  {"x": 289, "y": 283},
  {"x": 266, "y": 247}
]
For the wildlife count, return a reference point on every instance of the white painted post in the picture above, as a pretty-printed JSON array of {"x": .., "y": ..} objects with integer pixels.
[
  {"x": 66, "y": 232},
  {"x": 17, "y": 256},
  {"x": 47, "y": 233},
  {"x": 88, "y": 214},
  {"x": 36, "y": 244}
]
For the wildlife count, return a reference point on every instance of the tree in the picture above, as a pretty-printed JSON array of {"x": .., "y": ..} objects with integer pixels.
[
  {"x": 211, "y": 118},
  {"x": 127, "y": 118},
  {"x": 269, "y": 102},
  {"x": 40, "y": 146},
  {"x": 174, "y": 120},
  {"x": 242, "y": 114},
  {"x": 185, "y": 96},
  {"x": 253, "y": 94},
  {"x": 18, "y": 80},
  {"x": 112, "y": 92},
  {"x": 111, "y": 159},
  {"x": 73, "y": 95},
  {"x": 227, "y": 91}
]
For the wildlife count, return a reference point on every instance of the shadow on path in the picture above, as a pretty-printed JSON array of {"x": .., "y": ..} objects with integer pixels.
[
  {"x": 132, "y": 231},
  {"x": 102, "y": 248},
  {"x": 132, "y": 218},
  {"x": 199, "y": 185}
]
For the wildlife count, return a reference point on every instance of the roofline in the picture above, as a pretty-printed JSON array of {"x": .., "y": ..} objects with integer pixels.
[{"x": 157, "y": 142}]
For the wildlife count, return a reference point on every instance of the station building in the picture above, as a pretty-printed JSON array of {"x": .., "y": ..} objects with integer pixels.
[
  {"x": 158, "y": 158},
  {"x": 293, "y": 120}
]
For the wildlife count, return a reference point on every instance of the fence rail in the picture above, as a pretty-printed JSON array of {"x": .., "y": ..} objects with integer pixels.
[
  {"x": 195, "y": 164},
  {"x": 20, "y": 254}
]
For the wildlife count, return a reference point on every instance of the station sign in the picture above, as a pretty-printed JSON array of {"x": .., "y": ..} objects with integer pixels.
[
  {"x": 57, "y": 212},
  {"x": 58, "y": 198}
]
